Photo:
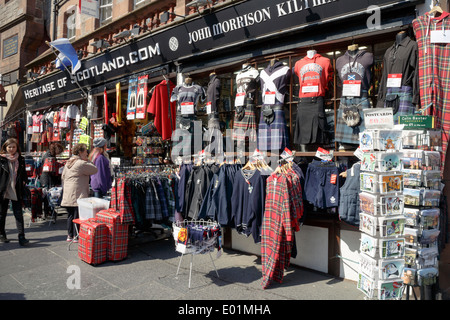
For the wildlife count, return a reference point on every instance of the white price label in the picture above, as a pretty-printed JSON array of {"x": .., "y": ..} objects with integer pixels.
[
  {"x": 351, "y": 88},
  {"x": 310, "y": 88},
  {"x": 239, "y": 99},
  {"x": 269, "y": 97},
  {"x": 187, "y": 108},
  {"x": 394, "y": 80},
  {"x": 440, "y": 36},
  {"x": 208, "y": 107}
]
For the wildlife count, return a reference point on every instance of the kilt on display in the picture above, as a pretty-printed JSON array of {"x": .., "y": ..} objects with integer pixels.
[
  {"x": 245, "y": 124},
  {"x": 272, "y": 131},
  {"x": 310, "y": 124},
  {"x": 344, "y": 132},
  {"x": 93, "y": 242},
  {"x": 400, "y": 100}
]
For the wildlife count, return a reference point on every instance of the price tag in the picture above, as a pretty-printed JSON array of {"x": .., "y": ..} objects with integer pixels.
[
  {"x": 115, "y": 161},
  {"x": 208, "y": 107},
  {"x": 333, "y": 178},
  {"x": 358, "y": 153},
  {"x": 351, "y": 88},
  {"x": 324, "y": 154},
  {"x": 394, "y": 80},
  {"x": 239, "y": 99},
  {"x": 187, "y": 108},
  {"x": 269, "y": 97},
  {"x": 440, "y": 36},
  {"x": 310, "y": 88}
]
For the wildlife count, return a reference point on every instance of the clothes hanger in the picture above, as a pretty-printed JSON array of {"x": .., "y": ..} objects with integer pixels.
[{"x": 436, "y": 9}]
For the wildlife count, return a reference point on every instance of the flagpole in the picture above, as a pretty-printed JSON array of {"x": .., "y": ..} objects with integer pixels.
[{"x": 65, "y": 67}]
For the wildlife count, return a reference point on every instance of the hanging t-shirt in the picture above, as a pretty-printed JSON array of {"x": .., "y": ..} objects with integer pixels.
[
  {"x": 72, "y": 112},
  {"x": 356, "y": 68},
  {"x": 187, "y": 97},
  {"x": 314, "y": 74},
  {"x": 37, "y": 119},
  {"x": 62, "y": 118}
]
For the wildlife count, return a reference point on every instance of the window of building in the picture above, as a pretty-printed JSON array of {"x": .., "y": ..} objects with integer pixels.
[
  {"x": 71, "y": 25},
  {"x": 105, "y": 11},
  {"x": 139, "y": 3}
]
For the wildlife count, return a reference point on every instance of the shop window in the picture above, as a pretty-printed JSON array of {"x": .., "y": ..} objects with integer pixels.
[
  {"x": 139, "y": 3},
  {"x": 105, "y": 11}
]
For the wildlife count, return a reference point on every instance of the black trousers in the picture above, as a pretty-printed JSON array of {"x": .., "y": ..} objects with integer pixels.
[
  {"x": 18, "y": 214},
  {"x": 72, "y": 214}
]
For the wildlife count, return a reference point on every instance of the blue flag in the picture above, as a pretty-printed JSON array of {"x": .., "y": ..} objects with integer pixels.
[{"x": 67, "y": 55}]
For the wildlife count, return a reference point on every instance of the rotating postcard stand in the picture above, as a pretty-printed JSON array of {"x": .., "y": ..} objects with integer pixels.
[{"x": 196, "y": 237}]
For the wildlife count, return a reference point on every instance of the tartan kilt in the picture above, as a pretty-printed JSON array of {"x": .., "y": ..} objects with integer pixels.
[
  {"x": 344, "y": 133},
  {"x": 405, "y": 96},
  {"x": 248, "y": 122},
  {"x": 214, "y": 135},
  {"x": 93, "y": 242},
  {"x": 274, "y": 136}
]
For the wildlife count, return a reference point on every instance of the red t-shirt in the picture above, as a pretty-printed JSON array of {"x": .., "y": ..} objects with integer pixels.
[{"x": 314, "y": 75}]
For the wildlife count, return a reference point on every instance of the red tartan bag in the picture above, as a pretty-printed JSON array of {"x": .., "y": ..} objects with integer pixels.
[
  {"x": 117, "y": 234},
  {"x": 93, "y": 242}
]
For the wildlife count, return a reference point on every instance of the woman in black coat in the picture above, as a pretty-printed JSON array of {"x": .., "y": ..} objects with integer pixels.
[{"x": 13, "y": 179}]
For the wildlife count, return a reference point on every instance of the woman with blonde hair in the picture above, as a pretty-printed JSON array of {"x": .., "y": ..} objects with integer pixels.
[
  {"x": 13, "y": 179},
  {"x": 101, "y": 181},
  {"x": 75, "y": 181}
]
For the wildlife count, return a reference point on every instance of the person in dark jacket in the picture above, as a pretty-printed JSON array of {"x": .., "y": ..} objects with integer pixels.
[
  {"x": 13, "y": 179},
  {"x": 50, "y": 179}
]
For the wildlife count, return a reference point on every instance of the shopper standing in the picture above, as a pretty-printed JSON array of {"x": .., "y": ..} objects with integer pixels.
[
  {"x": 13, "y": 179},
  {"x": 75, "y": 181},
  {"x": 50, "y": 179},
  {"x": 101, "y": 181}
]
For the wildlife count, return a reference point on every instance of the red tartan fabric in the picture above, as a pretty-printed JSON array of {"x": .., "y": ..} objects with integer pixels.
[
  {"x": 434, "y": 73},
  {"x": 277, "y": 232},
  {"x": 93, "y": 242},
  {"x": 121, "y": 200},
  {"x": 117, "y": 234}
]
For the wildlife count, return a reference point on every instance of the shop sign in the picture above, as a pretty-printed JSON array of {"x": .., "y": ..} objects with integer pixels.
[
  {"x": 379, "y": 118},
  {"x": 233, "y": 26},
  {"x": 414, "y": 122}
]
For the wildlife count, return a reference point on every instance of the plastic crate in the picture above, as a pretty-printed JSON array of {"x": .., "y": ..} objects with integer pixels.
[{"x": 88, "y": 207}]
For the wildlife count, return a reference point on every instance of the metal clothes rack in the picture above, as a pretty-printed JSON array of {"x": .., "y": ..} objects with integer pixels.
[{"x": 192, "y": 248}]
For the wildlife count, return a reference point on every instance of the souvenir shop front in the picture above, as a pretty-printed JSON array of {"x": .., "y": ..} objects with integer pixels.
[{"x": 261, "y": 122}]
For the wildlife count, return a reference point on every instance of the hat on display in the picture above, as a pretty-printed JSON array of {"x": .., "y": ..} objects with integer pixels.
[{"x": 99, "y": 142}]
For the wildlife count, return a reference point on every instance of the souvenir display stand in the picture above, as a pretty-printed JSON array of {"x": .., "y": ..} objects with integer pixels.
[
  {"x": 196, "y": 237},
  {"x": 421, "y": 164},
  {"x": 382, "y": 223},
  {"x": 399, "y": 202}
]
